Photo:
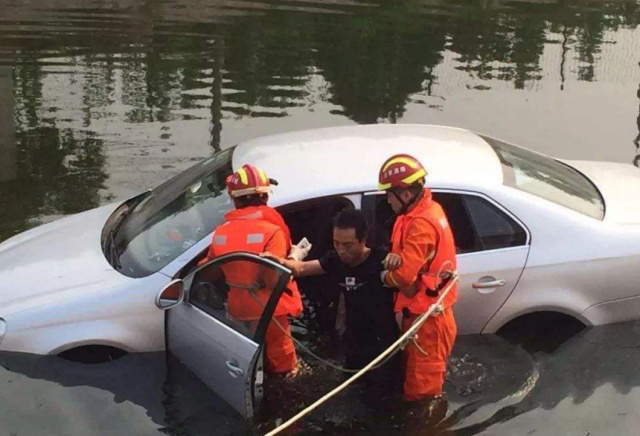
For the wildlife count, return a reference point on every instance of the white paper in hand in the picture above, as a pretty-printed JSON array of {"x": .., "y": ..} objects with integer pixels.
[{"x": 301, "y": 250}]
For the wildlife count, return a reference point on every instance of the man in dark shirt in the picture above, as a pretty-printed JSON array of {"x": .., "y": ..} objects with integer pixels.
[{"x": 371, "y": 326}]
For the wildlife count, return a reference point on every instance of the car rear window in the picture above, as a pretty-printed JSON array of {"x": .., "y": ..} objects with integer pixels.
[{"x": 548, "y": 178}]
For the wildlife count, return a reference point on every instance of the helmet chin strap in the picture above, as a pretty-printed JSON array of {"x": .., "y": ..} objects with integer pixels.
[{"x": 406, "y": 205}]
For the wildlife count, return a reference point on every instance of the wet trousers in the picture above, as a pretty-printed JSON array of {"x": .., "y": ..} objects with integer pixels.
[
  {"x": 362, "y": 346},
  {"x": 280, "y": 350},
  {"x": 425, "y": 367}
]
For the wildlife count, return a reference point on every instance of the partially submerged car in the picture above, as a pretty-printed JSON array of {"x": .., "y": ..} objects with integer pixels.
[{"x": 534, "y": 235}]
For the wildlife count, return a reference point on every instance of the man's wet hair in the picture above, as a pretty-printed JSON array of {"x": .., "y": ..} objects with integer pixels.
[{"x": 351, "y": 219}]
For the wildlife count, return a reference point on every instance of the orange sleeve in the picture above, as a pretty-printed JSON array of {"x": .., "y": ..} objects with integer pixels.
[{"x": 419, "y": 243}]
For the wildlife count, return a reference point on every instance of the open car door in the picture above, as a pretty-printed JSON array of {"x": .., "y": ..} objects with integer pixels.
[{"x": 225, "y": 352}]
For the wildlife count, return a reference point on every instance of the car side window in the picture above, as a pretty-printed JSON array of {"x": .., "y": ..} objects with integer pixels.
[
  {"x": 237, "y": 292},
  {"x": 476, "y": 224},
  {"x": 464, "y": 233},
  {"x": 494, "y": 228}
]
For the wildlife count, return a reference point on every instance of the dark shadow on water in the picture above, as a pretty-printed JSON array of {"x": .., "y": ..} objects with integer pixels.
[
  {"x": 190, "y": 408},
  {"x": 594, "y": 357},
  {"x": 483, "y": 369},
  {"x": 541, "y": 331},
  {"x": 175, "y": 402},
  {"x": 490, "y": 382}
]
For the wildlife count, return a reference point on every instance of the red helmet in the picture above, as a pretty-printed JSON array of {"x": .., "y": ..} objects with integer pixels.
[
  {"x": 248, "y": 180},
  {"x": 400, "y": 171}
]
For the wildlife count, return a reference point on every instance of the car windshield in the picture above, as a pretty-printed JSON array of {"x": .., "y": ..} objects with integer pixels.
[
  {"x": 548, "y": 178},
  {"x": 149, "y": 231}
]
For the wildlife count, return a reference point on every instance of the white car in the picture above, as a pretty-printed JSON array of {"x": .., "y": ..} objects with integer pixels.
[{"x": 535, "y": 235}]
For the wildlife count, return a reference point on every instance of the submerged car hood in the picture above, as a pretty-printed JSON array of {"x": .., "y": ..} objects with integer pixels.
[
  {"x": 54, "y": 261},
  {"x": 619, "y": 184}
]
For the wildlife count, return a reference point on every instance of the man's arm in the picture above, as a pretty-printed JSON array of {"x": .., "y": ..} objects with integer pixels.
[
  {"x": 299, "y": 268},
  {"x": 419, "y": 246}
]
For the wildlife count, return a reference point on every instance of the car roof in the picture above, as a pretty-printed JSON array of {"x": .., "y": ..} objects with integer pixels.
[{"x": 335, "y": 160}]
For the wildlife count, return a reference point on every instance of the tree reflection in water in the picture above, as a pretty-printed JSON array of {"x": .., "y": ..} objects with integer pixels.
[
  {"x": 636, "y": 160},
  {"x": 160, "y": 64}
]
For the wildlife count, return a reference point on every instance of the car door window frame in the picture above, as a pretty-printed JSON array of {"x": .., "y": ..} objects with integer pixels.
[
  {"x": 260, "y": 333},
  {"x": 321, "y": 294},
  {"x": 354, "y": 198},
  {"x": 500, "y": 209},
  {"x": 370, "y": 211}
]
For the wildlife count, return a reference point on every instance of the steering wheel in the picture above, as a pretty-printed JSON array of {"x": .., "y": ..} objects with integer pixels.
[{"x": 209, "y": 295}]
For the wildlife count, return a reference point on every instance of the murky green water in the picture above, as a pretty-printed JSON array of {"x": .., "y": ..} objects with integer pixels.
[
  {"x": 590, "y": 385},
  {"x": 103, "y": 99}
]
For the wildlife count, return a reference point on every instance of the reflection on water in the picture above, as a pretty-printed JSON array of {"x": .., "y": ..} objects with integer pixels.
[
  {"x": 636, "y": 160},
  {"x": 111, "y": 99},
  {"x": 8, "y": 154},
  {"x": 588, "y": 384},
  {"x": 153, "y": 393},
  {"x": 137, "y": 394}
]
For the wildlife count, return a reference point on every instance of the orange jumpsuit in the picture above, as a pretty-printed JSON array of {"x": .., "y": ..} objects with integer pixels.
[
  {"x": 257, "y": 229},
  {"x": 424, "y": 241}
]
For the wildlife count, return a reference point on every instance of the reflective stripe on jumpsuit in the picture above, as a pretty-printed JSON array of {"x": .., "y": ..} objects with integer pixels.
[
  {"x": 251, "y": 230},
  {"x": 425, "y": 367}
]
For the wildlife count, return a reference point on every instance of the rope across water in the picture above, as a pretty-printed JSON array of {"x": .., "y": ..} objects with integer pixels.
[{"x": 397, "y": 345}]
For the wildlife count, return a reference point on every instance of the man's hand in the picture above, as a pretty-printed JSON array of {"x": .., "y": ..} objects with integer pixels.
[
  {"x": 392, "y": 262},
  {"x": 269, "y": 255}
]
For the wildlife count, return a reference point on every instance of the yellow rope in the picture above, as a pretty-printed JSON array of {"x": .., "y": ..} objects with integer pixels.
[
  {"x": 318, "y": 358},
  {"x": 400, "y": 342},
  {"x": 307, "y": 350}
]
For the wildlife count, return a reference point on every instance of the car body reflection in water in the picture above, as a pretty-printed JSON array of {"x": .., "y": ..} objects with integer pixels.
[
  {"x": 589, "y": 383},
  {"x": 140, "y": 393}
]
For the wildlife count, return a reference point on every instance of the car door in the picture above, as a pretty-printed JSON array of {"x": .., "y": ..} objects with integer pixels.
[
  {"x": 491, "y": 245},
  {"x": 226, "y": 353}
]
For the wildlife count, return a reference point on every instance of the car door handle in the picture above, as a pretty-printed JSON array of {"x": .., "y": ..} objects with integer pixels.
[
  {"x": 234, "y": 369},
  {"x": 488, "y": 285}
]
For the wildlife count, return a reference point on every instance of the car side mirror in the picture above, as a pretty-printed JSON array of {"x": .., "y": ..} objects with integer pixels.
[{"x": 171, "y": 295}]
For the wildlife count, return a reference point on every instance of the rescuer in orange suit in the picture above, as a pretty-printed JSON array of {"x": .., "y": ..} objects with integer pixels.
[
  {"x": 255, "y": 227},
  {"x": 422, "y": 249}
]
